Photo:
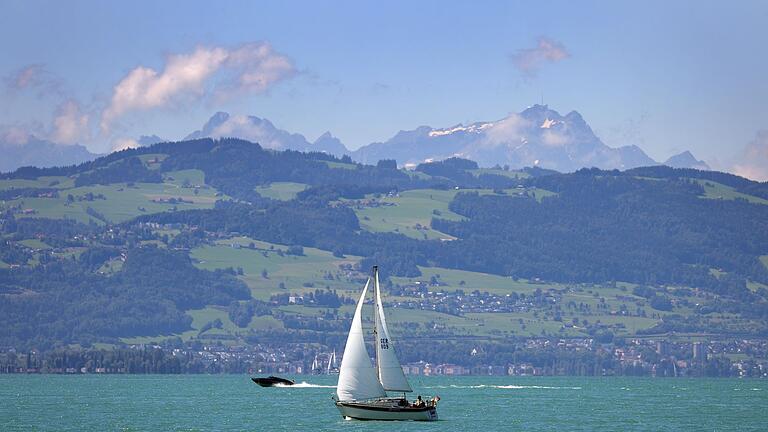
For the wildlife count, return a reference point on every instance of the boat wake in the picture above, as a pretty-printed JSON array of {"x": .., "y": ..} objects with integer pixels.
[
  {"x": 305, "y": 384},
  {"x": 503, "y": 387},
  {"x": 537, "y": 387}
]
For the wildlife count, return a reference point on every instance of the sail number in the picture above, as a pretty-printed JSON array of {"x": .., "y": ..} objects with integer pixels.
[{"x": 384, "y": 343}]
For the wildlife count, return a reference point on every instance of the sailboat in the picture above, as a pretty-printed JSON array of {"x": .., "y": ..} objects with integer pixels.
[
  {"x": 362, "y": 389},
  {"x": 315, "y": 366},
  {"x": 332, "y": 368}
]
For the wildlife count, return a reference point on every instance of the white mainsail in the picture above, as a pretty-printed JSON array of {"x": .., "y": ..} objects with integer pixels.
[
  {"x": 331, "y": 363},
  {"x": 391, "y": 373},
  {"x": 357, "y": 377}
]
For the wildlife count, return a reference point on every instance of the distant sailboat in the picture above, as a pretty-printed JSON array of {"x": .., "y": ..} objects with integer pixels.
[
  {"x": 361, "y": 392},
  {"x": 332, "y": 368},
  {"x": 315, "y": 366}
]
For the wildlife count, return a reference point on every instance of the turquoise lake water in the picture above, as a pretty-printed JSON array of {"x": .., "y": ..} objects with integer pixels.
[{"x": 234, "y": 403}]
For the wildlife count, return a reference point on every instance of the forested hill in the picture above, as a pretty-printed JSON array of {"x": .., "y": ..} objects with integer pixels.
[
  {"x": 235, "y": 167},
  {"x": 81, "y": 243}
]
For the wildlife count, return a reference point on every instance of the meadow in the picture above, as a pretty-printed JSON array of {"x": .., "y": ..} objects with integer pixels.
[
  {"x": 115, "y": 203},
  {"x": 268, "y": 269},
  {"x": 318, "y": 269},
  {"x": 410, "y": 212},
  {"x": 715, "y": 190},
  {"x": 284, "y": 191}
]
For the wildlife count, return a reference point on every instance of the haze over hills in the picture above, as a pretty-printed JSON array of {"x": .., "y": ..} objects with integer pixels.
[
  {"x": 686, "y": 160},
  {"x": 261, "y": 130},
  {"x": 41, "y": 153},
  {"x": 147, "y": 140},
  {"x": 538, "y": 136}
]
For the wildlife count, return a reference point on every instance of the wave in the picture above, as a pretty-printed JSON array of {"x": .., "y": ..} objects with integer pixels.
[
  {"x": 537, "y": 387},
  {"x": 507, "y": 387},
  {"x": 305, "y": 384}
]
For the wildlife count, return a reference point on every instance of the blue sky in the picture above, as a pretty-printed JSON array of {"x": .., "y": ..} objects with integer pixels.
[{"x": 667, "y": 76}]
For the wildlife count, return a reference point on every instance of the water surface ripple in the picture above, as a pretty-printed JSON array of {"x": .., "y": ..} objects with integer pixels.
[{"x": 234, "y": 403}]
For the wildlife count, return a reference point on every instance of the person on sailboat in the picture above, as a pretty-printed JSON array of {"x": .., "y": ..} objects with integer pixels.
[{"x": 419, "y": 403}]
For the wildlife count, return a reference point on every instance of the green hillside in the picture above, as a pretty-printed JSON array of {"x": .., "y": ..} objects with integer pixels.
[
  {"x": 224, "y": 242},
  {"x": 113, "y": 203}
]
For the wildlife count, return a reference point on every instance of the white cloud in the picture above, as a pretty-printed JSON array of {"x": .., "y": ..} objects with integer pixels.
[
  {"x": 35, "y": 77},
  {"x": 258, "y": 66},
  {"x": 14, "y": 135},
  {"x": 124, "y": 144},
  {"x": 145, "y": 88},
  {"x": 26, "y": 76},
  {"x": 242, "y": 127},
  {"x": 754, "y": 161},
  {"x": 250, "y": 68},
  {"x": 554, "y": 139},
  {"x": 70, "y": 125},
  {"x": 530, "y": 60},
  {"x": 509, "y": 131}
]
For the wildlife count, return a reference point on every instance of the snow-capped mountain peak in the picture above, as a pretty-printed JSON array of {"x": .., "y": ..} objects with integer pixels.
[
  {"x": 548, "y": 123},
  {"x": 473, "y": 128},
  {"x": 537, "y": 136}
]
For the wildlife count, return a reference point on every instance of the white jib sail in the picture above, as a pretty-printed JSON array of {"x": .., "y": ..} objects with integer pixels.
[
  {"x": 391, "y": 373},
  {"x": 357, "y": 377}
]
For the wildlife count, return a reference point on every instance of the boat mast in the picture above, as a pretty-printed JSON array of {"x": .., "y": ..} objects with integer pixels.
[{"x": 376, "y": 318}]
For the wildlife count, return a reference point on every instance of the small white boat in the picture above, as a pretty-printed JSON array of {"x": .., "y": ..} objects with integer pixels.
[{"x": 361, "y": 392}]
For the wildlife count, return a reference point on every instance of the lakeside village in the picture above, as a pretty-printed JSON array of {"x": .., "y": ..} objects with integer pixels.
[
  {"x": 540, "y": 357},
  {"x": 598, "y": 353}
]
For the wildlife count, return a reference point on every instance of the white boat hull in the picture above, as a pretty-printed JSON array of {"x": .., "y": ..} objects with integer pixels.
[{"x": 385, "y": 410}]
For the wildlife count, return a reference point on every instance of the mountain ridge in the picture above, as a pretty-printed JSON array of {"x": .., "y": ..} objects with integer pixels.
[
  {"x": 686, "y": 160},
  {"x": 537, "y": 136},
  {"x": 42, "y": 153}
]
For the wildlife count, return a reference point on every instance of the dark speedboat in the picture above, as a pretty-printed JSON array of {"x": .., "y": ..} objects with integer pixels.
[{"x": 272, "y": 381}]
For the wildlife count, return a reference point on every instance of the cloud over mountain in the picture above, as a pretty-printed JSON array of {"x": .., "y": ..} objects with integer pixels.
[
  {"x": 70, "y": 125},
  {"x": 266, "y": 134},
  {"x": 252, "y": 67},
  {"x": 754, "y": 160},
  {"x": 530, "y": 60},
  {"x": 32, "y": 151},
  {"x": 121, "y": 144},
  {"x": 537, "y": 136},
  {"x": 507, "y": 130}
]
